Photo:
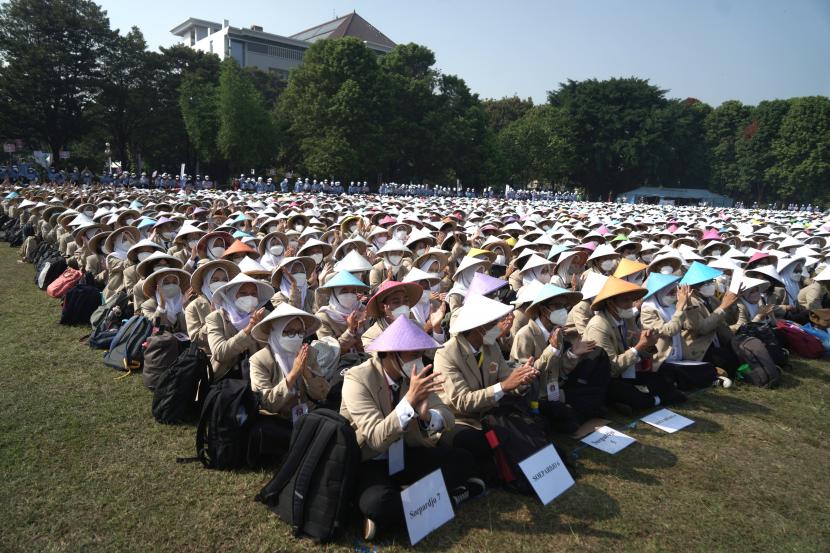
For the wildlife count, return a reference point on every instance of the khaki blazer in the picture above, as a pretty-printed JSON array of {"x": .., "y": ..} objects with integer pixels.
[
  {"x": 329, "y": 328},
  {"x": 700, "y": 328},
  {"x": 373, "y": 332},
  {"x": 150, "y": 309},
  {"x": 603, "y": 329},
  {"x": 275, "y": 397},
  {"x": 810, "y": 296},
  {"x": 469, "y": 390},
  {"x": 744, "y": 318},
  {"x": 650, "y": 319},
  {"x": 196, "y": 314},
  {"x": 227, "y": 344},
  {"x": 294, "y": 300},
  {"x": 367, "y": 404},
  {"x": 115, "y": 282},
  {"x": 378, "y": 273},
  {"x": 530, "y": 342},
  {"x": 580, "y": 315}
]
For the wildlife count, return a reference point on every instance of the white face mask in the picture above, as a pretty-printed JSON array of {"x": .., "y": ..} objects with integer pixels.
[
  {"x": 276, "y": 250},
  {"x": 669, "y": 299},
  {"x": 246, "y": 304},
  {"x": 400, "y": 311},
  {"x": 380, "y": 241},
  {"x": 407, "y": 366},
  {"x": 298, "y": 227},
  {"x": 558, "y": 316},
  {"x": 192, "y": 243},
  {"x": 169, "y": 235},
  {"x": 214, "y": 286},
  {"x": 300, "y": 278},
  {"x": 130, "y": 222},
  {"x": 491, "y": 335},
  {"x": 425, "y": 296},
  {"x": 317, "y": 257},
  {"x": 394, "y": 260},
  {"x": 631, "y": 256},
  {"x": 420, "y": 251},
  {"x": 501, "y": 260},
  {"x": 665, "y": 241},
  {"x": 647, "y": 257},
  {"x": 347, "y": 300},
  {"x": 293, "y": 244},
  {"x": 608, "y": 265},
  {"x": 400, "y": 235},
  {"x": 142, "y": 255},
  {"x": 715, "y": 253},
  {"x": 170, "y": 290},
  {"x": 629, "y": 313},
  {"x": 291, "y": 344},
  {"x": 544, "y": 278},
  {"x": 707, "y": 290},
  {"x": 666, "y": 270},
  {"x": 217, "y": 251}
]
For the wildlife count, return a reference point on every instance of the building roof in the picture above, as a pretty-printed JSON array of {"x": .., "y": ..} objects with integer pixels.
[
  {"x": 182, "y": 28},
  {"x": 347, "y": 25},
  {"x": 694, "y": 193}
]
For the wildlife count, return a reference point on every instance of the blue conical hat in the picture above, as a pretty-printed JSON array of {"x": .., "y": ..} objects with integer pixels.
[
  {"x": 657, "y": 282},
  {"x": 699, "y": 273},
  {"x": 343, "y": 279}
]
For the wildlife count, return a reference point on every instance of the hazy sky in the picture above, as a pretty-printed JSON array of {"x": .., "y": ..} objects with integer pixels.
[{"x": 713, "y": 50}]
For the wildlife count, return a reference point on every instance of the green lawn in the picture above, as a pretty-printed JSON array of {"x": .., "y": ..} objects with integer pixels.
[{"x": 84, "y": 466}]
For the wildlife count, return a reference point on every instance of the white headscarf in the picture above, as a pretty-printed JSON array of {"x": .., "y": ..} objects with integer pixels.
[
  {"x": 172, "y": 306},
  {"x": 421, "y": 309},
  {"x": 227, "y": 301},
  {"x": 119, "y": 249},
  {"x": 666, "y": 313},
  {"x": 206, "y": 281},
  {"x": 285, "y": 284},
  {"x": 335, "y": 310},
  {"x": 532, "y": 274},
  {"x": 269, "y": 260},
  {"x": 284, "y": 359},
  {"x": 790, "y": 283}
]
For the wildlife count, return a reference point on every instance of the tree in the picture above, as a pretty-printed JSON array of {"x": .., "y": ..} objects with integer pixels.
[
  {"x": 617, "y": 131},
  {"x": 754, "y": 154},
  {"x": 802, "y": 149},
  {"x": 333, "y": 99},
  {"x": 246, "y": 132},
  {"x": 52, "y": 52},
  {"x": 539, "y": 145},
  {"x": 722, "y": 127},
  {"x": 502, "y": 112}
]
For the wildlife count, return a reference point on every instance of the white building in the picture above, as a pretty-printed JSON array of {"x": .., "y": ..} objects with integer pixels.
[{"x": 253, "y": 47}]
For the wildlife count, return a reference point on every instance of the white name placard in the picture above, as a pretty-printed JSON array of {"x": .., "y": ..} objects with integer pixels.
[
  {"x": 666, "y": 420},
  {"x": 426, "y": 506},
  {"x": 608, "y": 440},
  {"x": 547, "y": 474}
]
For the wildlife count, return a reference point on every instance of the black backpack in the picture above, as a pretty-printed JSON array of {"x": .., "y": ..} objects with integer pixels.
[
  {"x": 160, "y": 351},
  {"x": 80, "y": 302},
  {"x": 126, "y": 351},
  {"x": 764, "y": 370},
  {"x": 181, "y": 389},
  {"x": 766, "y": 334},
  {"x": 50, "y": 269},
  {"x": 116, "y": 308},
  {"x": 227, "y": 415},
  {"x": 313, "y": 489},
  {"x": 519, "y": 436}
]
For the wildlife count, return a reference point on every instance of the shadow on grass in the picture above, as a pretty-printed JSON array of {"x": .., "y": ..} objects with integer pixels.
[
  {"x": 805, "y": 369},
  {"x": 728, "y": 405},
  {"x": 630, "y": 463}
]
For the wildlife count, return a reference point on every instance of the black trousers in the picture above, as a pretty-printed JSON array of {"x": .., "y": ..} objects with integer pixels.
[
  {"x": 560, "y": 417},
  {"x": 625, "y": 391},
  {"x": 379, "y": 494},
  {"x": 473, "y": 441},
  {"x": 586, "y": 386},
  {"x": 723, "y": 356}
]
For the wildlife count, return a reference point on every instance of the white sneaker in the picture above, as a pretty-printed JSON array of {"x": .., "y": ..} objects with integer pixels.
[
  {"x": 724, "y": 381},
  {"x": 369, "y": 529}
]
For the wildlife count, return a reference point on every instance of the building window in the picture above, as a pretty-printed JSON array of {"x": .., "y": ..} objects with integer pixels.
[
  {"x": 276, "y": 51},
  {"x": 192, "y": 36},
  {"x": 211, "y": 46}
]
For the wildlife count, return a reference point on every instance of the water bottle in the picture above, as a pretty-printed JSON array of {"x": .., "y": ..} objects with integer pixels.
[
  {"x": 743, "y": 369},
  {"x": 534, "y": 407}
]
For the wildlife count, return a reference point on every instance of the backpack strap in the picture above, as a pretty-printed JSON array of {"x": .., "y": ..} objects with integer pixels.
[
  {"x": 201, "y": 431},
  {"x": 304, "y": 432},
  {"x": 307, "y": 470}
]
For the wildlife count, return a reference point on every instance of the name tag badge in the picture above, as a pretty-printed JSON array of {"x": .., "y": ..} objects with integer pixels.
[
  {"x": 396, "y": 457},
  {"x": 493, "y": 368},
  {"x": 298, "y": 411},
  {"x": 553, "y": 391}
]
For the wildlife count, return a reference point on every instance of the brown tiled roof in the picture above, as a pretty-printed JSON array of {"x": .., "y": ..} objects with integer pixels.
[{"x": 347, "y": 25}]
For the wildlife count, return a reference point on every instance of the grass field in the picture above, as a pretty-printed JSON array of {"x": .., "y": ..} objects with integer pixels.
[{"x": 85, "y": 467}]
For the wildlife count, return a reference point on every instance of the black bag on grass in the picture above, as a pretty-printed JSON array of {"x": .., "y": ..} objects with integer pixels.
[
  {"x": 181, "y": 389},
  {"x": 126, "y": 351},
  {"x": 764, "y": 371},
  {"x": 160, "y": 351},
  {"x": 313, "y": 489},
  {"x": 79, "y": 303},
  {"x": 51, "y": 268},
  {"x": 227, "y": 415}
]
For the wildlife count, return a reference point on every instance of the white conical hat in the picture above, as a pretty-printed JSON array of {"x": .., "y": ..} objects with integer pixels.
[
  {"x": 592, "y": 285},
  {"x": 415, "y": 274},
  {"x": 353, "y": 262},
  {"x": 478, "y": 311},
  {"x": 535, "y": 260}
]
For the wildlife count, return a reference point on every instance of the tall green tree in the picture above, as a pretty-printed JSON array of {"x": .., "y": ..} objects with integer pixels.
[
  {"x": 539, "y": 145},
  {"x": 504, "y": 111},
  {"x": 802, "y": 149},
  {"x": 52, "y": 52},
  {"x": 754, "y": 153},
  {"x": 198, "y": 101},
  {"x": 722, "y": 127},
  {"x": 246, "y": 136},
  {"x": 333, "y": 101}
]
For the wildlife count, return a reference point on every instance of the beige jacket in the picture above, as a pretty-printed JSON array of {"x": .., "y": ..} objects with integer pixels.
[
  {"x": 700, "y": 328},
  {"x": 227, "y": 345},
  {"x": 367, "y": 404},
  {"x": 810, "y": 296},
  {"x": 530, "y": 342},
  {"x": 275, "y": 396},
  {"x": 603, "y": 329},
  {"x": 150, "y": 309},
  {"x": 650, "y": 319},
  {"x": 196, "y": 314}
]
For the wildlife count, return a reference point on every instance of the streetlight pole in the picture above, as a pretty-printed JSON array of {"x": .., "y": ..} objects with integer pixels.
[{"x": 108, "y": 153}]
